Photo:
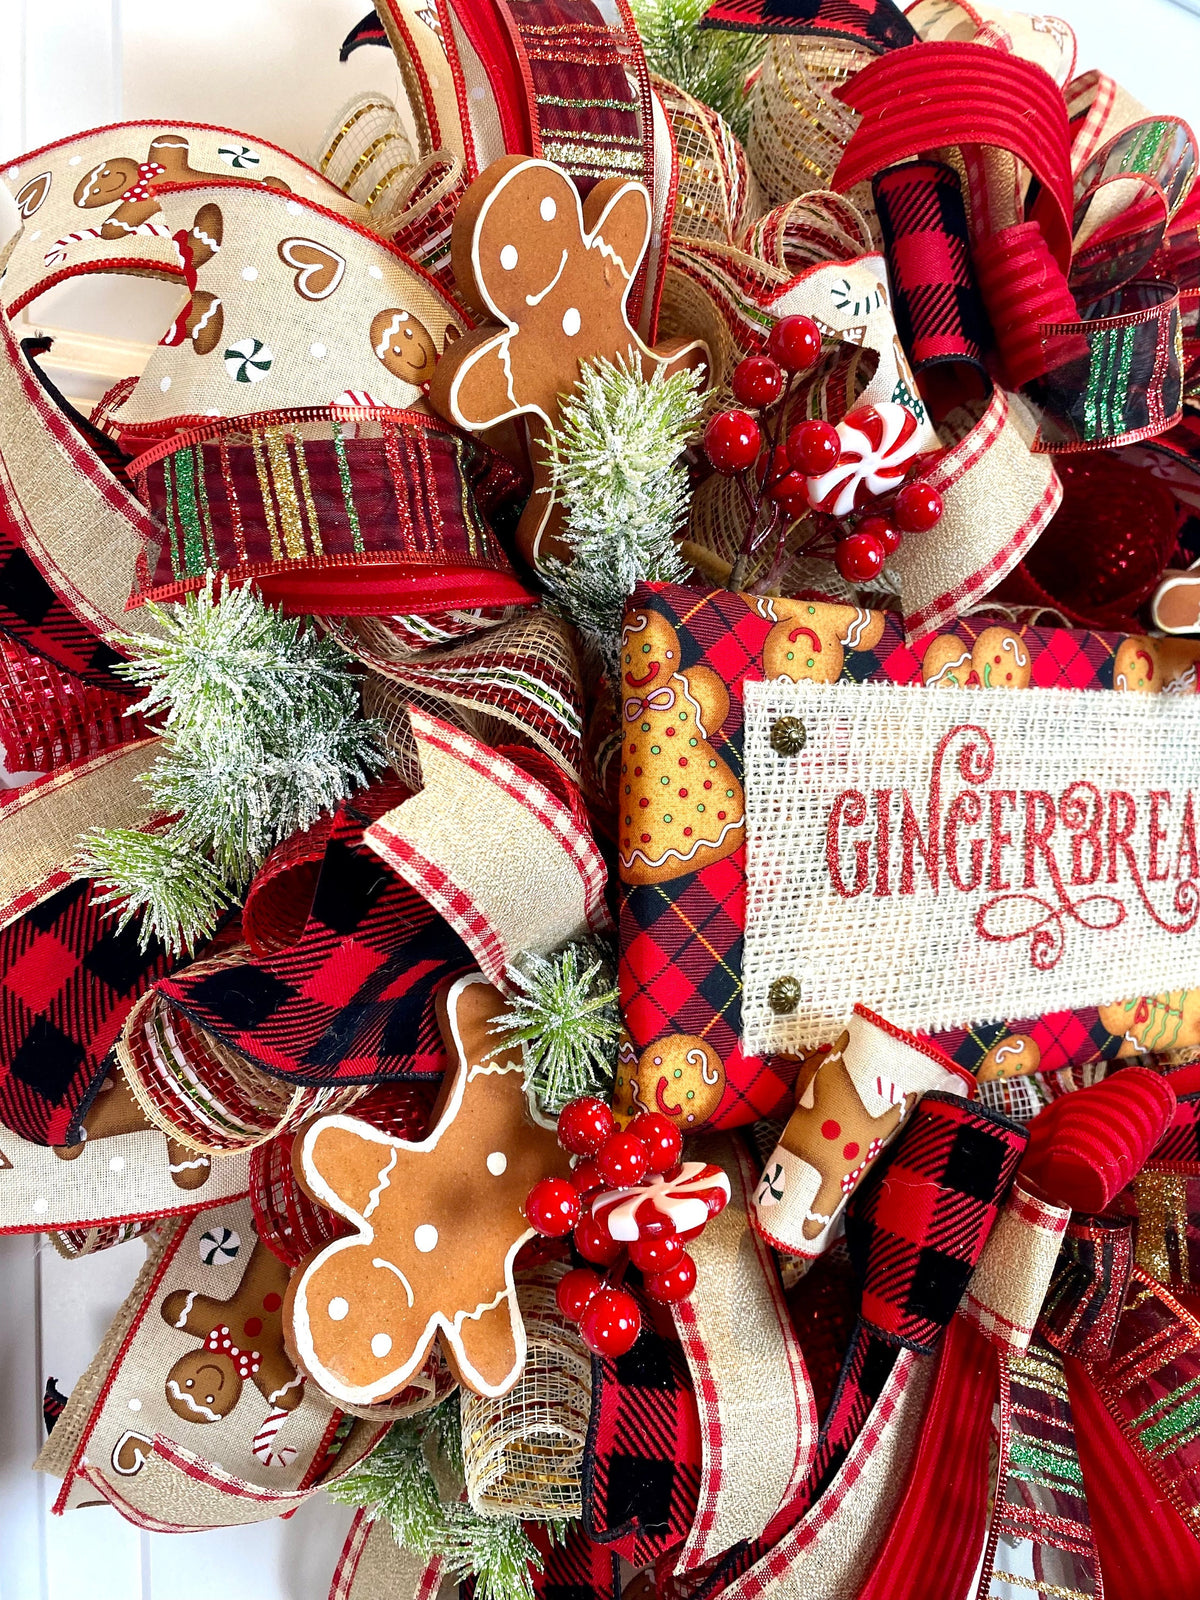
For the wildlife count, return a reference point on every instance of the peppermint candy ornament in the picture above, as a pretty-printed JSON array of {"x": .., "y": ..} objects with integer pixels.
[
  {"x": 877, "y": 445},
  {"x": 675, "y": 1202}
]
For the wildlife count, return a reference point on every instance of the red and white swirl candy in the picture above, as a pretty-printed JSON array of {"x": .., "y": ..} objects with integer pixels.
[
  {"x": 675, "y": 1202},
  {"x": 878, "y": 443}
]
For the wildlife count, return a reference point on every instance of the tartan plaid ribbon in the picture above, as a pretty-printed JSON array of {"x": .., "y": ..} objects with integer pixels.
[
  {"x": 353, "y": 1001},
  {"x": 339, "y": 522},
  {"x": 1080, "y": 320}
]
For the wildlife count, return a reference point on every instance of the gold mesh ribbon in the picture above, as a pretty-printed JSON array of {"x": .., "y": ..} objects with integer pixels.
[{"x": 523, "y": 1453}]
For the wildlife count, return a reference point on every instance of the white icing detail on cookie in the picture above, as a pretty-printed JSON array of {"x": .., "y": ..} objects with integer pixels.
[
  {"x": 390, "y": 1382},
  {"x": 548, "y": 209},
  {"x": 390, "y": 1266},
  {"x": 377, "y": 1191},
  {"x": 425, "y": 1237},
  {"x": 206, "y": 318},
  {"x": 339, "y": 1308},
  {"x": 381, "y": 1345},
  {"x": 187, "y": 1307},
  {"x": 191, "y": 1166},
  {"x": 192, "y": 1405},
  {"x": 509, "y": 257},
  {"x": 276, "y": 1395},
  {"x": 963, "y": 660},
  {"x": 857, "y": 628},
  {"x": 497, "y": 1163},
  {"x": 389, "y": 333},
  {"x": 700, "y": 844},
  {"x": 571, "y": 322},
  {"x": 536, "y": 299}
]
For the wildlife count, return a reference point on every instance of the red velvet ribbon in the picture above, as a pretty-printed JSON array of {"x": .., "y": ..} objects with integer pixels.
[{"x": 929, "y": 95}]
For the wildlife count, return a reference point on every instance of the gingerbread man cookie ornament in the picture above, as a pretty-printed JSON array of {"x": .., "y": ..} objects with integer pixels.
[
  {"x": 556, "y": 273},
  {"x": 439, "y": 1224},
  {"x": 681, "y": 808}
]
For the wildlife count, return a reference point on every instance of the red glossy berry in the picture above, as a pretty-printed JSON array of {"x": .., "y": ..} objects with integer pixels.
[
  {"x": 732, "y": 441},
  {"x": 795, "y": 508},
  {"x": 884, "y": 530},
  {"x": 595, "y": 1244},
  {"x": 790, "y": 489},
  {"x": 661, "y": 1137},
  {"x": 611, "y": 1323},
  {"x": 584, "y": 1125},
  {"x": 757, "y": 381},
  {"x": 552, "y": 1207},
  {"x": 575, "y": 1290},
  {"x": 917, "y": 508},
  {"x": 795, "y": 342},
  {"x": 623, "y": 1161},
  {"x": 860, "y": 557},
  {"x": 655, "y": 1255},
  {"x": 774, "y": 468},
  {"x": 675, "y": 1282},
  {"x": 586, "y": 1177},
  {"x": 814, "y": 447}
]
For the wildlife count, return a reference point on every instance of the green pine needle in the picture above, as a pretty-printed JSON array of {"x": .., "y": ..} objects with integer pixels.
[
  {"x": 710, "y": 63},
  {"x": 262, "y": 733},
  {"x": 395, "y": 1482},
  {"x": 564, "y": 1012},
  {"x": 615, "y": 461},
  {"x": 179, "y": 896}
]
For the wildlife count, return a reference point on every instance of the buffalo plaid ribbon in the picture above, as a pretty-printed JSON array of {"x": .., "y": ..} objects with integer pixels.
[
  {"x": 938, "y": 308},
  {"x": 916, "y": 1229},
  {"x": 876, "y": 25},
  {"x": 641, "y": 1475},
  {"x": 353, "y": 1001}
]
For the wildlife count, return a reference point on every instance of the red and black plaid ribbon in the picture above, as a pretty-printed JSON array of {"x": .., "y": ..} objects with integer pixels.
[
  {"x": 353, "y": 1001},
  {"x": 938, "y": 307},
  {"x": 641, "y": 1473},
  {"x": 68, "y": 980},
  {"x": 916, "y": 1229},
  {"x": 877, "y": 25}
]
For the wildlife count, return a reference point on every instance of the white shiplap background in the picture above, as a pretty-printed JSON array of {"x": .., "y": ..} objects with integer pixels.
[{"x": 268, "y": 67}]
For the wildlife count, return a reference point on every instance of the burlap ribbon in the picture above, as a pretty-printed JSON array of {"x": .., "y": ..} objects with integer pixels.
[
  {"x": 480, "y": 832},
  {"x": 758, "y": 1420}
]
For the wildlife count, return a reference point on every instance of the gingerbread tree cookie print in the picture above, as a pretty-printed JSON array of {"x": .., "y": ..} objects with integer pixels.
[
  {"x": 438, "y": 1225},
  {"x": 681, "y": 808},
  {"x": 556, "y": 273}
]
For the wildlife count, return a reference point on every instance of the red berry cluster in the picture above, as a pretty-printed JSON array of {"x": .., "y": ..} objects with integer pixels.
[
  {"x": 608, "y": 1316},
  {"x": 736, "y": 442}
]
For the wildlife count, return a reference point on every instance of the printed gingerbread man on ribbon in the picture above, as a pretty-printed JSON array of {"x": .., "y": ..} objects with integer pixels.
[
  {"x": 439, "y": 1223},
  {"x": 556, "y": 272}
]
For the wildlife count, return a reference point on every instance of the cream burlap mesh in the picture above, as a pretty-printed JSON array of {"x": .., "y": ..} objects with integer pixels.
[
  {"x": 366, "y": 152},
  {"x": 718, "y": 193},
  {"x": 524, "y": 1452},
  {"x": 951, "y": 860},
  {"x": 797, "y": 129},
  {"x": 391, "y": 702}
]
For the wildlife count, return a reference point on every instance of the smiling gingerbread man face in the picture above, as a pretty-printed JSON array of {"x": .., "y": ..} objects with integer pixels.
[{"x": 556, "y": 273}]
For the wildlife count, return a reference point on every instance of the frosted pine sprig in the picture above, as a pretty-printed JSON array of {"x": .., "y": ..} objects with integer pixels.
[
  {"x": 175, "y": 891},
  {"x": 615, "y": 461},
  {"x": 563, "y": 1010},
  {"x": 262, "y": 732}
]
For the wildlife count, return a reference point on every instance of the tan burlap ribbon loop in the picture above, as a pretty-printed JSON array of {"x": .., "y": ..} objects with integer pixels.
[{"x": 758, "y": 1420}]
